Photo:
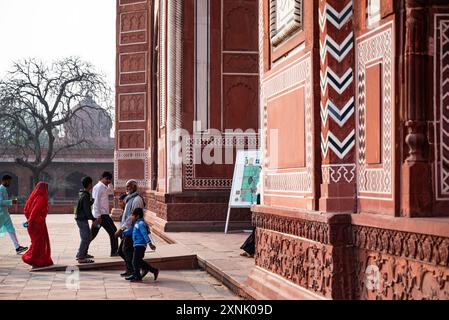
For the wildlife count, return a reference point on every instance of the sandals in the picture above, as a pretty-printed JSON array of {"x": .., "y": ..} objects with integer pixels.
[{"x": 85, "y": 261}]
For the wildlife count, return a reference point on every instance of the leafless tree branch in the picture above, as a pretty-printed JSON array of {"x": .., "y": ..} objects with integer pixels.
[{"x": 39, "y": 102}]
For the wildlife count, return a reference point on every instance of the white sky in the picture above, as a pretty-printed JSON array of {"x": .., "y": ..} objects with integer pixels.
[{"x": 53, "y": 29}]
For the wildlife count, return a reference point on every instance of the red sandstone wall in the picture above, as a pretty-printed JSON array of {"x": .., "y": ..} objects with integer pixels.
[
  {"x": 234, "y": 84},
  {"x": 399, "y": 169},
  {"x": 289, "y": 117},
  {"x": 133, "y": 96}
]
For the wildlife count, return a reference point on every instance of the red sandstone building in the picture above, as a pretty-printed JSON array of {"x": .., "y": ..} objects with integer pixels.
[
  {"x": 352, "y": 101},
  {"x": 188, "y": 65}
]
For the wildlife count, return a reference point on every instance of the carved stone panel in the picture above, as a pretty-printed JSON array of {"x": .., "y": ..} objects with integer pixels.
[
  {"x": 240, "y": 23},
  {"x": 131, "y": 139},
  {"x": 133, "y": 28},
  {"x": 132, "y": 107},
  {"x": 241, "y": 96},
  {"x": 384, "y": 277},
  {"x": 395, "y": 265},
  {"x": 316, "y": 267},
  {"x": 133, "y": 68}
]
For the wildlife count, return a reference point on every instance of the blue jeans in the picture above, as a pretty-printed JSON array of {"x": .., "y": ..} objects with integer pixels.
[{"x": 86, "y": 238}]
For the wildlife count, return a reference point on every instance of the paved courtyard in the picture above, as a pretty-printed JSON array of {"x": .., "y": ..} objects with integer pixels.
[{"x": 16, "y": 282}]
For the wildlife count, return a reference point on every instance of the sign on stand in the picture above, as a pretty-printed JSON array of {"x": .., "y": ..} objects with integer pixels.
[{"x": 248, "y": 166}]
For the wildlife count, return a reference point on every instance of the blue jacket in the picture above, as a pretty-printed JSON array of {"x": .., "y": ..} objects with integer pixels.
[{"x": 141, "y": 235}]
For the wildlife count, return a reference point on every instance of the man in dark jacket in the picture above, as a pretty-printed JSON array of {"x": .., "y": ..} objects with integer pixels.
[{"x": 83, "y": 213}]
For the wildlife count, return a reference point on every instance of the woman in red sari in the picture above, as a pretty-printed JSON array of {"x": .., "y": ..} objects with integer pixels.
[{"x": 36, "y": 209}]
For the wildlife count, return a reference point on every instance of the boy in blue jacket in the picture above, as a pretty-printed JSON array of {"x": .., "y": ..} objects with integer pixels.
[{"x": 141, "y": 238}]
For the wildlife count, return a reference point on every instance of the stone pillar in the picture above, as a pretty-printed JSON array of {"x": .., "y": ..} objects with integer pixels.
[
  {"x": 133, "y": 118},
  {"x": 174, "y": 94},
  {"x": 337, "y": 106},
  {"x": 416, "y": 191}
]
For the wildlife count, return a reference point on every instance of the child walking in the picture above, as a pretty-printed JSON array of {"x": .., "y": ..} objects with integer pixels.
[{"x": 141, "y": 237}]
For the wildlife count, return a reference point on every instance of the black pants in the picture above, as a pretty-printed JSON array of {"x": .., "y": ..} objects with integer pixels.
[
  {"x": 250, "y": 244},
  {"x": 111, "y": 229},
  {"x": 126, "y": 251},
  {"x": 139, "y": 263}
]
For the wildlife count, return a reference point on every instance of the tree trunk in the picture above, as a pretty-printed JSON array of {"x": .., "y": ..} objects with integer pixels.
[{"x": 36, "y": 175}]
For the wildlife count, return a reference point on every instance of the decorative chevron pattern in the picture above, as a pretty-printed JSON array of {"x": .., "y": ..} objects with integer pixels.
[
  {"x": 339, "y": 84},
  {"x": 340, "y": 148},
  {"x": 337, "y": 19},
  {"x": 442, "y": 64},
  {"x": 340, "y": 116},
  {"x": 338, "y": 51},
  {"x": 336, "y": 54}
]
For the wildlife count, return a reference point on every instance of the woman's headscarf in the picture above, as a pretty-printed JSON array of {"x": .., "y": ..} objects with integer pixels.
[{"x": 38, "y": 196}]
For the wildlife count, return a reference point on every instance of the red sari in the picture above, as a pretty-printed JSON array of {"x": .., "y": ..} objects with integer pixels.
[{"x": 36, "y": 209}]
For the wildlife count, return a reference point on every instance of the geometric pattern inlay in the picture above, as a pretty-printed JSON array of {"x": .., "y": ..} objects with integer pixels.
[
  {"x": 442, "y": 106},
  {"x": 376, "y": 47}
]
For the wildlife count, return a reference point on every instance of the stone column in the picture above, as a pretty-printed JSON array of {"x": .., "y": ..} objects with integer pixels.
[
  {"x": 416, "y": 189},
  {"x": 133, "y": 120},
  {"x": 337, "y": 106},
  {"x": 174, "y": 94}
]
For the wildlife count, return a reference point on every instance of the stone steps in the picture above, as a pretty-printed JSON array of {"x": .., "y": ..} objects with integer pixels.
[{"x": 167, "y": 257}]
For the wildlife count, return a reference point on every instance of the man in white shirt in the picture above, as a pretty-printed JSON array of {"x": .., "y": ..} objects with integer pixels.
[{"x": 100, "y": 195}]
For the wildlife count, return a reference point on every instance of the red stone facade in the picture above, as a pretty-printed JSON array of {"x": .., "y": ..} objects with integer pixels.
[
  {"x": 190, "y": 65},
  {"x": 364, "y": 217},
  {"x": 351, "y": 98}
]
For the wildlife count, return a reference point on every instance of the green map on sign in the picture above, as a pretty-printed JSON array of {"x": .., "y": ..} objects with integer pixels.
[{"x": 251, "y": 176}]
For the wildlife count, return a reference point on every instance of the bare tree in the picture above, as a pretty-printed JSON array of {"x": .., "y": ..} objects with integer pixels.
[{"x": 39, "y": 102}]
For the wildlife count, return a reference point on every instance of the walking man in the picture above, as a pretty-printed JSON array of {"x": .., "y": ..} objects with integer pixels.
[
  {"x": 100, "y": 195},
  {"x": 6, "y": 225},
  {"x": 133, "y": 200}
]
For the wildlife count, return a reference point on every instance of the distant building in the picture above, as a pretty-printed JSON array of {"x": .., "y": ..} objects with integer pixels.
[{"x": 64, "y": 174}]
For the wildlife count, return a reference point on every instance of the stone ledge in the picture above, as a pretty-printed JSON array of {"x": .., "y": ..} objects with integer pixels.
[
  {"x": 326, "y": 228},
  {"x": 160, "y": 226},
  {"x": 169, "y": 257},
  {"x": 264, "y": 285},
  {"x": 302, "y": 214},
  {"x": 427, "y": 226},
  {"x": 236, "y": 286}
]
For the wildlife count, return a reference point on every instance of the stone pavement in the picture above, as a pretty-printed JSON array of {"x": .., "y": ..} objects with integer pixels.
[
  {"x": 219, "y": 255},
  {"x": 16, "y": 282}
]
